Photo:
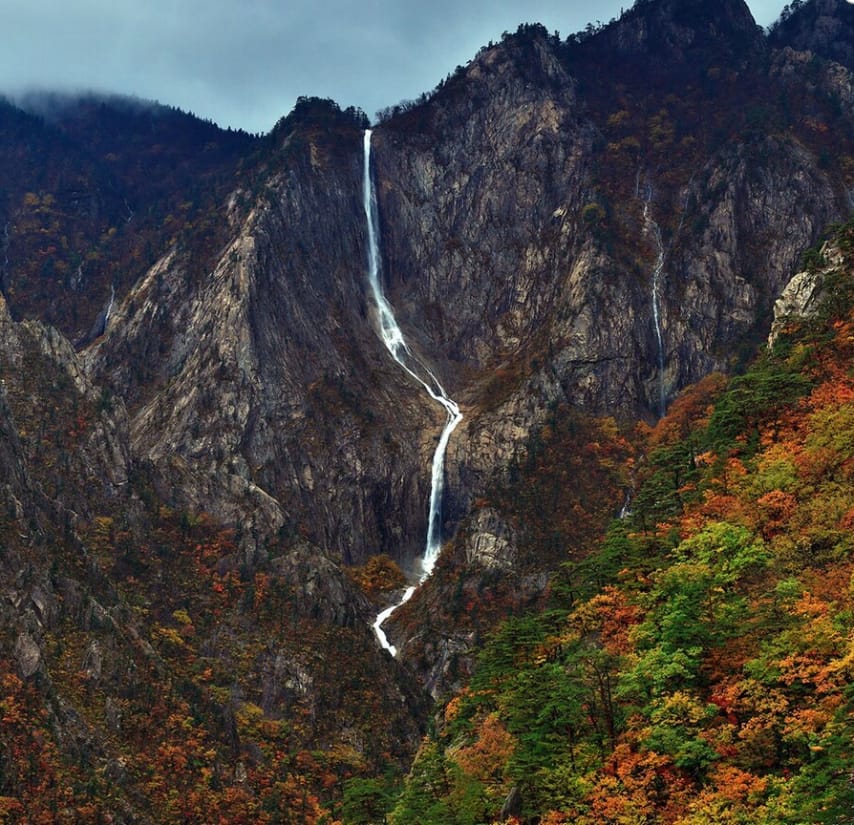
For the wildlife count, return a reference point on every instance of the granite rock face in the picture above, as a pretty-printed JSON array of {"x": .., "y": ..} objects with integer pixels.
[
  {"x": 823, "y": 27},
  {"x": 534, "y": 253},
  {"x": 802, "y": 296},
  {"x": 274, "y": 404},
  {"x": 261, "y": 393}
]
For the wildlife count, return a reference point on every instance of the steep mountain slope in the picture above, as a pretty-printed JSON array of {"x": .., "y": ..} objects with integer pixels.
[
  {"x": 94, "y": 188},
  {"x": 823, "y": 27},
  {"x": 697, "y": 667},
  {"x": 613, "y": 238},
  {"x": 571, "y": 232},
  {"x": 248, "y": 376},
  {"x": 149, "y": 673}
]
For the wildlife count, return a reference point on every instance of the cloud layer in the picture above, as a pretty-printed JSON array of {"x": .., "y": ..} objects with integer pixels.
[{"x": 243, "y": 63}]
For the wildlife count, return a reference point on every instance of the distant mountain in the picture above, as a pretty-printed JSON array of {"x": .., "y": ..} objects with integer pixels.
[
  {"x": 94, "y": 187},
  {"x": 213, "y": 476}
]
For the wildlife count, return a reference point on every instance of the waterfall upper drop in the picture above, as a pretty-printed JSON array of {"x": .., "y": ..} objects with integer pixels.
[
  {"x": 109, "y": 307},
  {"x": 396, "y": 344}
]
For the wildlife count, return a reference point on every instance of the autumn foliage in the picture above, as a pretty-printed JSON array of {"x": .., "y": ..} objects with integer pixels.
[{"x": 697, "y": 666}]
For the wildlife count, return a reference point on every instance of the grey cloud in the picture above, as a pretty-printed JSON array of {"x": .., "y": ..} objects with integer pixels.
[{"x": 243, "y": 63}]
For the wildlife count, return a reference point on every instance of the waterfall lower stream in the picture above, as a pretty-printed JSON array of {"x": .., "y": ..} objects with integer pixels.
[{"x": 395, "y": 343}]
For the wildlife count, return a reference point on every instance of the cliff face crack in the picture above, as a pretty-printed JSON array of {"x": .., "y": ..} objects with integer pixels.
[
  {"x": 602, "y": 359},
  {"x": 395, "y": 343}
]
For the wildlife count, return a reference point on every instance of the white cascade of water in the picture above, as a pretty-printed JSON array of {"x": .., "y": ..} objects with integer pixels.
[
  {"x": 109, "y": 307},
  {"x": 652, "y": 228},
  {"x": 395, "y": 343}
]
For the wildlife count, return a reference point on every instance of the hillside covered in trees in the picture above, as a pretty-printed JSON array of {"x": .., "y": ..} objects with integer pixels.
[{"x": 696, "y": 667}]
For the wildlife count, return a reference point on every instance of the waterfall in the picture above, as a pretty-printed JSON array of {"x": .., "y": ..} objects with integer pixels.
[
  {"x": 109, "y": 307},
  {"x": 395, "y": 343},
  {"x": 652, "y": 228}
]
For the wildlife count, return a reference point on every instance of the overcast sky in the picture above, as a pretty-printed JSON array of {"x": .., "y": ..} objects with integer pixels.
[{"x": 243, "y": 63}]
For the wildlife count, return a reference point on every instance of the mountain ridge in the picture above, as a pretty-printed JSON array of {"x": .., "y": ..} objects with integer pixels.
[{"x": 212, "y": 499}]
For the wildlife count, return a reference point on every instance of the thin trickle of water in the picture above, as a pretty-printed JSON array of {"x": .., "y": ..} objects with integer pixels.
[
  {"x": 109, "y": 307},
  {"x": 652, "y": 228},
  {"x": 395, "y": 343}
]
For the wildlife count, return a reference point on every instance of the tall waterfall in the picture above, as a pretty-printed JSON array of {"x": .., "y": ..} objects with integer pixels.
[
  {"x": 652, "y": 228},
  {"x": 395, "y": 343}
]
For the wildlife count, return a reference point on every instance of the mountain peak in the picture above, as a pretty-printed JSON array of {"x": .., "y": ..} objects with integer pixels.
[
  {"x": 681, "y": 31},
  {"x": 318, "y": 111},
  {"x": 725, "y": 15}
]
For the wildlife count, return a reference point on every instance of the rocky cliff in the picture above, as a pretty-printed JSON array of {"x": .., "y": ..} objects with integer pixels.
[
  {"x": 571, "y": 232},
  {"x": 113, "y": 603},
  {"x": 247, "y": 376},
  {"x": 558, "y": 239},
  {"x": 822, "y": 27},
  {"x": 545, "y": 239}
]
